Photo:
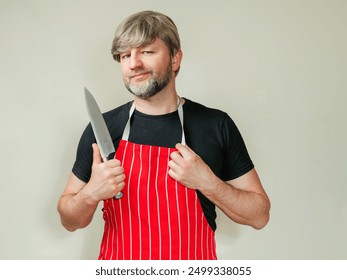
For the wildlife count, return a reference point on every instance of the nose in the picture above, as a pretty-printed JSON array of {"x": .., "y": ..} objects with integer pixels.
[{"x": 135, "y": 61}]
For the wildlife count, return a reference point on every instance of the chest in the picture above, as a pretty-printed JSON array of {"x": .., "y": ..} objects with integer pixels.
[{"x": 156, "y": 131}]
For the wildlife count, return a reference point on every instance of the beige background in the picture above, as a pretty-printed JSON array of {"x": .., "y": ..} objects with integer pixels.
[{"x": 279, "y": 68}]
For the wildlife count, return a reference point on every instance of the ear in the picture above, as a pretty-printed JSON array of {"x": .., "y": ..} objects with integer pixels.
[{"x": 176, "y": 60}]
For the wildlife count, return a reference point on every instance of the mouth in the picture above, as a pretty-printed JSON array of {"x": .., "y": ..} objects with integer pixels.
[{"x": 139, "y": 76}]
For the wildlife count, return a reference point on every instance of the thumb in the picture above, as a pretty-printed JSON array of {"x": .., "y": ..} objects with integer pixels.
[{"x": 96, "y": 154}]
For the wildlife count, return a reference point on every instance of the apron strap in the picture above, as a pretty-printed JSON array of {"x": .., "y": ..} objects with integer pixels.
[
  {"x": 126, "y": 131},
  {"x": 180, "y": 115}
]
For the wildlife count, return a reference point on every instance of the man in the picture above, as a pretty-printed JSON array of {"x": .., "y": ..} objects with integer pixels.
[{"x": 175, "y": 160}]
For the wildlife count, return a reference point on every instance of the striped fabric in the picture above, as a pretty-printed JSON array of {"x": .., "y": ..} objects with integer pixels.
[{"x": 157, "y": 218}]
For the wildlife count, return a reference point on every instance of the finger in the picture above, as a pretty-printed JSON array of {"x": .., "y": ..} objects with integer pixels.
[
  {"x": 118, "y": 179},
  {"x": 173, "y": 174},
  {"x": 174, "y": 166},
  {"x": 120, "y": 186},
  {"x": 96, "y": 154},
  {"x": 176, "y": 157},
  {"x": 184, "y": 150},
  {"x": 175, "y": 171},
  {"x": 118, "y": 171},
  {"x": 115, "y": 179},
  {"x": 113, "y": 163}
]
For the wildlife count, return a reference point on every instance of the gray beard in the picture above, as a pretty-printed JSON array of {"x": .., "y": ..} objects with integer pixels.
[
  {"x": 149, "y": 89},
  {"x": 152, "y": 87}
]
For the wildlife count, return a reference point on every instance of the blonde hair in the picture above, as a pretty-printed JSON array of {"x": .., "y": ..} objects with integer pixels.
[{"x": 143, "y": 28}]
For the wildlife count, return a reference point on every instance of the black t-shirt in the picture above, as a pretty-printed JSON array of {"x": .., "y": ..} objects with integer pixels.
[{"x": 210, "y": 133}]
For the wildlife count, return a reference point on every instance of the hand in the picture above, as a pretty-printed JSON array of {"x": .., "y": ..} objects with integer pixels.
[
  {"x": 189, "y": 169},
  {"x": 107, "y": 178}
]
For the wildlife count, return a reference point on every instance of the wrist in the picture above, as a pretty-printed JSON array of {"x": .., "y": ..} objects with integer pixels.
[
  {"x": 87, "y": 197},
  {"x": 210, "y": 184}
]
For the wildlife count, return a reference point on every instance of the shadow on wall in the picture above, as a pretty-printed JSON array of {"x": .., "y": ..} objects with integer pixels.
[{"x": 93, "y": 236}]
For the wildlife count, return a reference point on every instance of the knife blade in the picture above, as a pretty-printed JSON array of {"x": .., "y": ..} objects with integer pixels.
[{"x": 101, "y": 132}]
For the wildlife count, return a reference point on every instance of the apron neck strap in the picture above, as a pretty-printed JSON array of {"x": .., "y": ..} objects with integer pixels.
[{"x": 126, "y": 131}]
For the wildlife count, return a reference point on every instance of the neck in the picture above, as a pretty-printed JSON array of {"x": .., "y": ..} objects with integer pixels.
[{"x": 163, "y": 102}]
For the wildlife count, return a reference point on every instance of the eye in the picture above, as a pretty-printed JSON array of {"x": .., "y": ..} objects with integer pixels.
[
  {"x": 147, "y": 52},
  {"x": 124, "y": 56}
]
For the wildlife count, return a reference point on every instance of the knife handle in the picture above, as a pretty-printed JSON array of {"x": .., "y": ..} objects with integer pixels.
[{"x": 120, "y": 194}]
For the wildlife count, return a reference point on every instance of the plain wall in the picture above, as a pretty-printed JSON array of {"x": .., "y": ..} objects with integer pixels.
[{"x": 278, "y": 68}]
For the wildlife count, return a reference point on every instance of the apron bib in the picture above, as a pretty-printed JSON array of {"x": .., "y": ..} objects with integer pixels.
[{"x": 158, "y": 218}]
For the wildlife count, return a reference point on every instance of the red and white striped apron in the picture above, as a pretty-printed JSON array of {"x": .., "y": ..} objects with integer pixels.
[{"x": 158, "y": 218}]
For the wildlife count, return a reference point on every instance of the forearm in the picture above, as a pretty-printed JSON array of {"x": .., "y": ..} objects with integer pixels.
[
  {"x": 244, "y": 207},
  {"x": 76, "y": 210}
]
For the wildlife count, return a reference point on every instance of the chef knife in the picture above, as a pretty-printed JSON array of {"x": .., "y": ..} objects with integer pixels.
[{"x": 101, "y": 132}]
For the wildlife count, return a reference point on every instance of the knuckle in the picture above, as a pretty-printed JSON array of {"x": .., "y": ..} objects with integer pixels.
[
  {"x": 106, "y": 173},
  {"x": 112, "y": 181},
  {"x": 193, "y": 158}
]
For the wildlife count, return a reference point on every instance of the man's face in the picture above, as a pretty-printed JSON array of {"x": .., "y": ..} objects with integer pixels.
[{"x": 147, "y": 70}]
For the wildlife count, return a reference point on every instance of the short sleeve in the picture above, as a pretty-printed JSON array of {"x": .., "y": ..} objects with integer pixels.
[
  {"x": 84, "y": 155},
  {"x": 237, "y": 161}
]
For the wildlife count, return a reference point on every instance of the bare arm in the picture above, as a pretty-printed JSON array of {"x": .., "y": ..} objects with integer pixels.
[
  {"x": 75, "y": 207},
  {"x": 243, "y": 199},
  {"x": 79, "y": 200}
]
